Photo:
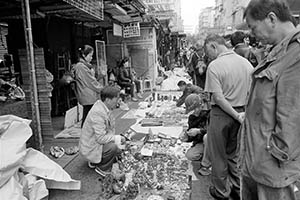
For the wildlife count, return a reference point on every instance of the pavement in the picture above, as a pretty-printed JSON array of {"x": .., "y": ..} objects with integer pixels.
[{"x": 77, "y": 167}]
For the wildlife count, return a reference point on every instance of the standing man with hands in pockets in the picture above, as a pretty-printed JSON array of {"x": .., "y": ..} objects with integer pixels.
[{"x": 227, "y": 80}]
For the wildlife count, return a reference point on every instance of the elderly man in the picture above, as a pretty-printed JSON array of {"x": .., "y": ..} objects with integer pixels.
[
  {"x": 98, "y": 142},
  {"x": 227, "y": 80},
  {"x": 270, "y": 149}
]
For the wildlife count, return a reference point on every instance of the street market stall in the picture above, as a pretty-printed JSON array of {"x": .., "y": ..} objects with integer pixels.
[{"x": 153, "y": 159}]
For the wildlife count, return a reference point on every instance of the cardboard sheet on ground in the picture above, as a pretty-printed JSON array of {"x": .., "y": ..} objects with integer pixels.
[
  {"x": 171, "y": 131},
  {"x": 73, "y": 115},
  {"x": 71, "y": 132}
]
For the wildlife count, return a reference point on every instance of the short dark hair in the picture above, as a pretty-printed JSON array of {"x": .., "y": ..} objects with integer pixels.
[
  {"x": 84, "y": 51},
  {"x": 259, "y": 10},
  {"x": 109, "y": 92},
  {"x": 237, "y": 37},
  {"x": 193, "y": 48},
  {"x": 215, "y": 38},
  {"x": 123, "y": 61},
  {"x": 181, "y": 83}
]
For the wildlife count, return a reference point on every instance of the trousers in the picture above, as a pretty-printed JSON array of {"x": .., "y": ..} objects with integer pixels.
[
  {"x": 109, "y": 155},
  {"x": 222, "y": 146},
  {"x": 251, "y": 190}
]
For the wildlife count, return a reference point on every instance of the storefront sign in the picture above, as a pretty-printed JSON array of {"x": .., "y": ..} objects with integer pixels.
[
  {"x": 91, "y": 7},
  {"x": 117, "y": 30},
  {"x": 131, "y": 30}
]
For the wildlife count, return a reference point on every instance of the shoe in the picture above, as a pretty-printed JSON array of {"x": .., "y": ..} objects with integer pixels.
[
  {"x": 101, "y": 172},
  {"x": 139, "y": 96},
  {"x": 71, "y": 150},
  {"x": 123, "y": 106},
  {"x": 91, "y": 165},
  {"x": 204, "y": 171},
  {"x": 215, "y": 194},
  {"x": 134, "y": 99}
]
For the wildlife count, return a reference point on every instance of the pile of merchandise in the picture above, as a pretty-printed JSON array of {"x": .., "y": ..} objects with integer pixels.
[{"x": 163, "y": 174}]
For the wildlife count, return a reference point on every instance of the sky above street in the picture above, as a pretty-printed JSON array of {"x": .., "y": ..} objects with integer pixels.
[{"x": 190, "y": 11}]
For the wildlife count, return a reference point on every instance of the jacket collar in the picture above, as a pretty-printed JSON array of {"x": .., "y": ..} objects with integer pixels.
[
  {"x": 278, "y": 50},
  {"x": 85, "y": 63},
  {"x": 282, "y": 46},
  {"x": 225, "y": 53}
]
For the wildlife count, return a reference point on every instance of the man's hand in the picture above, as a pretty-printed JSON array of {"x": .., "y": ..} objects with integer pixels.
[
  {"x": 183, "y": 136},
  {"x": 193, "y": 132},
  {"x": 241, "y": 117}
]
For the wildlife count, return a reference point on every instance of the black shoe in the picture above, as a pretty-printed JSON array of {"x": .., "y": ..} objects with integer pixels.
[
  {"x": 234, "y": 195},
  {"x": 215, "y": 194}
]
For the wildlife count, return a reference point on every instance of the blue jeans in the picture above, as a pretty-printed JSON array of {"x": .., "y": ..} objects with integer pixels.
[{"x": 251, "y": 190}]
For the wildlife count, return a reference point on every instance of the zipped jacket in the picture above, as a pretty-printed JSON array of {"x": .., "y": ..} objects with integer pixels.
[{"x": 270, "y": 134}]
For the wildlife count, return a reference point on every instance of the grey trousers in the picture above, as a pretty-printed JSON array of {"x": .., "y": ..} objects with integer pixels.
[
  {"x": 251, "y": 190},
  {"x": 109, "y": 154},
  {"x": 222, "y": 146}
]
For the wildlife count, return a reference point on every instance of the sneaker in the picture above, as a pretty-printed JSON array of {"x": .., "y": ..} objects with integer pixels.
[
  {"x": 139, "y": 96},
  {"x": 215, "y": 194},
  {"x": 92, "y": 165},
  {"x": 204, "y": 171},
  {"x": 134, "y": 99},
  {"x": 102, "y": 172},
  {"x": 123, "y": 106}
]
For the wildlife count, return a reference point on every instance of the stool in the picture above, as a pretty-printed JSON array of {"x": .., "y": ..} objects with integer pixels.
[{"x": 148, "y": 85}]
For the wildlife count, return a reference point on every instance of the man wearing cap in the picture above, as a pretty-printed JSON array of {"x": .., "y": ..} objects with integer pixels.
[
  {"x": 227, "y": 80},
  {"x": 196, "y": 132}
]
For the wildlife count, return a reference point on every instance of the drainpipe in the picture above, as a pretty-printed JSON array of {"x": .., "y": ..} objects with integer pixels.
[{"x": 31, "y": 65}]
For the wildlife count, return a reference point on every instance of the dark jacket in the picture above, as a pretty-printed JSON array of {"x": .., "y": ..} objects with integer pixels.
[
  {"x": 189, "y": 89},
  {"x": 246, "y": 52},
  {"x": 270, "y": 149},
  {"x": 124, "y": 76},
  {"x": 201, "y": 122}
]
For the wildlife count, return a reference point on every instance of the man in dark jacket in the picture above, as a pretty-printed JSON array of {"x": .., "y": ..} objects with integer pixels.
[
  {"x": 240, "y": 43},
  {"x": 196, "y": 132},
  {"x": 187, "y": 90},
  {"x": 270, "y": 158}
]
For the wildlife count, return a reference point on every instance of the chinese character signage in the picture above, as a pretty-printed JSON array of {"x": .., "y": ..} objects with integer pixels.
[{"x": 131, "y": 30}]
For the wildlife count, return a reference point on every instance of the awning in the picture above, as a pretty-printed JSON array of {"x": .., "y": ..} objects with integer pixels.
[{"x": 84, "y": 11}]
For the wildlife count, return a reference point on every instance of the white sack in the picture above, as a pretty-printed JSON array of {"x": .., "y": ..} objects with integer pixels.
[{"x": 14, "y": 132}]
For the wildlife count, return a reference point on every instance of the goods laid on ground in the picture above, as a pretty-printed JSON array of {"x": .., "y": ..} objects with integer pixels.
[{"x": 163, "y": 174}]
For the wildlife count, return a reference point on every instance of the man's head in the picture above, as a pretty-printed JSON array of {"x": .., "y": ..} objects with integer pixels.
[
  {"x": 214, "y": 45},
  {"x": 110, "y": 96},
  {"x": 193, "y": 102},
  {"x": 181, "y": 85},
  {"x": 267, "y": 19},
  {"x": 193, "y": 48},
  {"x": 239, "y": 37}
]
